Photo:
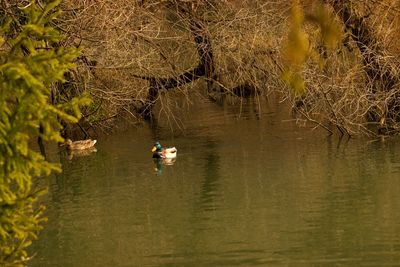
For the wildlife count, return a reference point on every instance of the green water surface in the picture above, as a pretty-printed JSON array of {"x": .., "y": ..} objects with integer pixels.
[{"x": 245, "y": 190}]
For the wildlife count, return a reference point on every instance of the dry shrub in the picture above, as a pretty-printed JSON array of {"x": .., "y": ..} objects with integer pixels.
[
  {"x": 130, "y": 40},
  {"x": 355, "y": 88}
]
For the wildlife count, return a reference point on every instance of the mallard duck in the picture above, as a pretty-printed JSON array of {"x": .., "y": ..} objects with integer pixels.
[
  {"x": 164, "y": 153},
  {"x": 79, "y": 145}
]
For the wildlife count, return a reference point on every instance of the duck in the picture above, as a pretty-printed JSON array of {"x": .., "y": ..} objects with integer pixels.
[
  {"x": 163, "y": 153},
  {"x": 79, "y": 145}
]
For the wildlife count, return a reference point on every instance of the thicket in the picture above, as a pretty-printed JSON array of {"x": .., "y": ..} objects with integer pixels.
[
  {"x": 352, "y": 87},
  {"x": 138, "y": 56}
]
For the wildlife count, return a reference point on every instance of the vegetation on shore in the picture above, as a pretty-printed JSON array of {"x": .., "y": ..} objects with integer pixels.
[
  {"x": 31, "y": 63},
  {"x": 138, "y": 56}
]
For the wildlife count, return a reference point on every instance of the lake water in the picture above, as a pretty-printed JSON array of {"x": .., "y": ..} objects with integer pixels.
[{"x": 245, "y": 190}]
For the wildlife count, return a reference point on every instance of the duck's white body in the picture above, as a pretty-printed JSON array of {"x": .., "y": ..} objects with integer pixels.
[
  {"x": 169, "y": 153},
  {"x": 164, "y": 153}
]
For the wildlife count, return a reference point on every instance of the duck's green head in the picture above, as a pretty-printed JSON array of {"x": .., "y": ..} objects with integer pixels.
[{"x": 157, "y": 147}]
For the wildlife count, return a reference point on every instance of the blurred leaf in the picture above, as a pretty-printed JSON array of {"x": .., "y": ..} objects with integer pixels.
[
  {"x": 330, "y": 29},
  {"x": 297, "y": 50},
  {"x": 295, "y": 81}
]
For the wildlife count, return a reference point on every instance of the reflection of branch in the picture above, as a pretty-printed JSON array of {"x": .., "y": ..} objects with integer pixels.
[
  {"x": 157, "y": 84},
  {"x": 339, "y": 125},
  {"x": 83, "y": 130},
  {"x": 310, "y": 119}
]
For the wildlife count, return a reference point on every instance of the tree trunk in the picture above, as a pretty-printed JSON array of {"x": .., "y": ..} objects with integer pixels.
[
  {"x": 205, "y": 68},
  {"x": 379, "y": 73}
]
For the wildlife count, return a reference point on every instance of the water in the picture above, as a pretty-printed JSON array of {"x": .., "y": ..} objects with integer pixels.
[{"x": 243, "y": 192}]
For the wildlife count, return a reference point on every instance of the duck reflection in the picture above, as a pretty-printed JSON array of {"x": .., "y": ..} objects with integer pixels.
[
  {"x": 80, "y": 153},
  {"x": 160, "y": 162}
]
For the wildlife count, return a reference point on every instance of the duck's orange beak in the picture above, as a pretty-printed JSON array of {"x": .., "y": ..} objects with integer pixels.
[{"x": 153, "y": 149}]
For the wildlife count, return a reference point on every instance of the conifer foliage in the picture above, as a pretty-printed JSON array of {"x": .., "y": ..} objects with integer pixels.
[{"x": 31, "y": 62}]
